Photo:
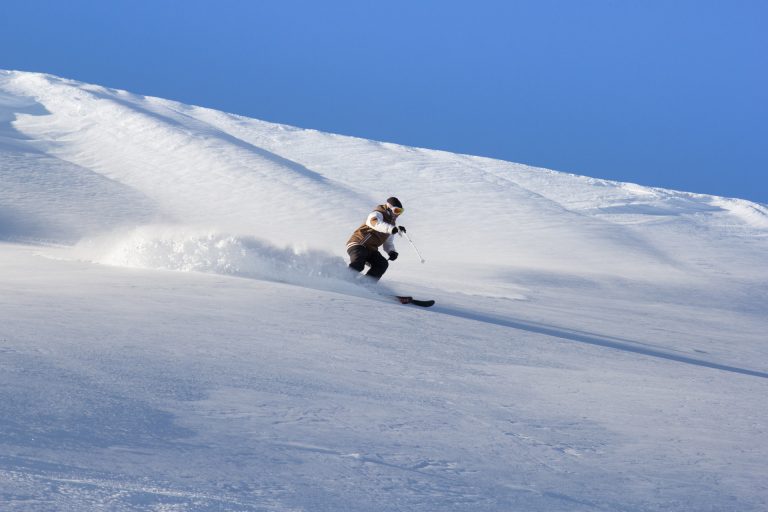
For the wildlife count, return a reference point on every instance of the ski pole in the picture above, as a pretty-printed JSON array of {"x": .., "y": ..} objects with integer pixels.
[{"x": 412, "y": 245}]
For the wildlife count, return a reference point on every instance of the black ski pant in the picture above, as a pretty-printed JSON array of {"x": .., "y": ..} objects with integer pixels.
[{"x": 359, "y": 256}]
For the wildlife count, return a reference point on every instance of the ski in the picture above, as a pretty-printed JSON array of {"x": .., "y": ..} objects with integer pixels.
[{"x": 415, "y": 302}]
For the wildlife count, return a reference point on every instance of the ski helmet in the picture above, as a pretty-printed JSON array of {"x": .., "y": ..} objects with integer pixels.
[{"x": 395, "y": 205}]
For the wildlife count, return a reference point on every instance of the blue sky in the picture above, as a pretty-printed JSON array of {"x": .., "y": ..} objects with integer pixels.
[{"x": 669, "y": 93}]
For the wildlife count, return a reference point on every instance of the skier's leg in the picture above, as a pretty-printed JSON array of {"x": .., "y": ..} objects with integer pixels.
[
  {"x": 378, "y": 263},
  {"x": 357, "y": 256}
]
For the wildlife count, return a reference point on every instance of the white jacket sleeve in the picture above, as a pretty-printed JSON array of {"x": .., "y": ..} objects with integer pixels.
[
  {"x": 389, "y": 244},
  {"x": 376, "y": 222}
]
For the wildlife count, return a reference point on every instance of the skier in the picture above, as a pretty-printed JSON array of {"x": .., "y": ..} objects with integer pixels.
[{"x": 379, "y": 229}]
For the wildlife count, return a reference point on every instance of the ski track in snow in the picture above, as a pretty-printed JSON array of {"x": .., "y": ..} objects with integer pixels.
[{"x": 179, "y": 331}]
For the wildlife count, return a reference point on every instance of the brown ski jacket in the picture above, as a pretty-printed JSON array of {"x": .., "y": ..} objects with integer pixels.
[{"x": 376, "y": 231}]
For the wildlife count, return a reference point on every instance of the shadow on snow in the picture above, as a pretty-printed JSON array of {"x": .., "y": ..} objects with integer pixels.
[{"x": 597, "y": 340}]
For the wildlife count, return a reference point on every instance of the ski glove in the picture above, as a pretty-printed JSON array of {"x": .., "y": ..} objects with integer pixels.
[
  {"x": 393, "y": 255},
  {"x": 398, "y": 228}
]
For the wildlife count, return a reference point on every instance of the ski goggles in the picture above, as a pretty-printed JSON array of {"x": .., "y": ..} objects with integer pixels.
[{"x": 398, "y": 210}]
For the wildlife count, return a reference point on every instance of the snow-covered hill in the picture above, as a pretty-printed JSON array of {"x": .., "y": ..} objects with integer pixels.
[{"x": 178, "y": 330}]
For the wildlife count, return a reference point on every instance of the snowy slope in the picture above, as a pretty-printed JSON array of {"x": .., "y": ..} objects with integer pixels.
[{"x": 596, "y": 345}]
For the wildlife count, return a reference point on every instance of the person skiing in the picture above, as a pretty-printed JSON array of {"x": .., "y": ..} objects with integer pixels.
[{"x": 378, "y": 230}]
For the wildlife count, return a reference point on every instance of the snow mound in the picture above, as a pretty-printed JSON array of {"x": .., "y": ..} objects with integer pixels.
[{"x": 752, "y": 214}]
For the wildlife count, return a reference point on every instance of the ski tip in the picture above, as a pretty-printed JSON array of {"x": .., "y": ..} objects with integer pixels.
[{"x": 415, "y": 302}]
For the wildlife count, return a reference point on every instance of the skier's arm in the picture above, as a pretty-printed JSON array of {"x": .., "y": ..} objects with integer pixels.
[
  {"x": 376, "y": 221},
  {"x": 389, "y": 244}
]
